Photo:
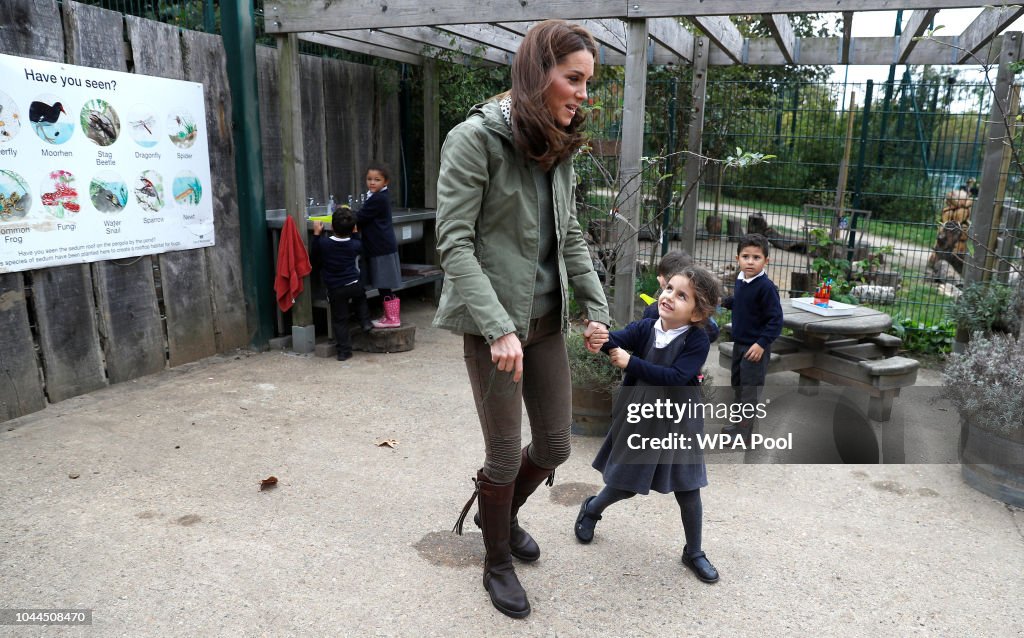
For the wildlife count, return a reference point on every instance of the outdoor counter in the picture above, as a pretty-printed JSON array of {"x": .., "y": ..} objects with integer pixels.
[{"x": 417, "y": 249}]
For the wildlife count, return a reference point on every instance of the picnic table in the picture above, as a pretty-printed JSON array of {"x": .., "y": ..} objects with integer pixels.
[{"x": 849, "y": 350}]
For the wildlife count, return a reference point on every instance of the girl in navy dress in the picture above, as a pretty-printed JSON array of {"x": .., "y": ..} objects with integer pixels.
[
  {"x": 378, "y": 235},
  {"x": 667, "y": 356}
]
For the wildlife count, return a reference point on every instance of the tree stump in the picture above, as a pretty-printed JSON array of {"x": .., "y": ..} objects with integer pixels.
[{"x": 400, "y": 339}]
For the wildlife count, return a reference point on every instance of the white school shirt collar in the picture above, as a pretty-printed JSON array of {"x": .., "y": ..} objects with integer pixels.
[
  {"x": 764, "y": 271},
  {"x": 336, "y": 238},
  {"x": 664, "y": 337},
  {"x": 370, "y": 193}
]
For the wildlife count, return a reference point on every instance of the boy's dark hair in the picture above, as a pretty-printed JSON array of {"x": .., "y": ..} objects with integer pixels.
[
  {"x": 381, "y": 168},
  {"x": 674, "y": 261},
  {"x": 706, "y": 290},
  {"x": 753, "y": 240},
  {"x": 342, "y": 222}
]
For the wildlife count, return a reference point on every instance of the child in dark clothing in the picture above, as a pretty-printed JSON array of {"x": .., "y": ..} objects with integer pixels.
[
  {"x": 378, "y": 234},
  {"x": 339, "y": 258},
  {"x": 667, "y": 356},
  {"x": 675, "y": 261},
  {"x": 756, "y": 323}
]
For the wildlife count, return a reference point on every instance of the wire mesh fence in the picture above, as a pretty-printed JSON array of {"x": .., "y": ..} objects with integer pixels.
[{"x": 865, "y": 181}]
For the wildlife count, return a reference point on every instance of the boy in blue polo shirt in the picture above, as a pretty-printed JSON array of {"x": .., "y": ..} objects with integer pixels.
[{"x": 756, "y": 323}]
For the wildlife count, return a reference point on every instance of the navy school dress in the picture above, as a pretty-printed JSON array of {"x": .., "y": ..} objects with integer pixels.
[{"x": 664, "y": 471}]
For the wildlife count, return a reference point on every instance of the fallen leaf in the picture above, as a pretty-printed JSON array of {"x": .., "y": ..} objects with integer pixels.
[
  {"x": 268, "y": 483},
  {"x": 391, "y": 443}
]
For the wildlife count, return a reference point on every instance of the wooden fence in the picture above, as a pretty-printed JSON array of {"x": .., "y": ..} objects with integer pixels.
[{"x": 74, "y": 329}]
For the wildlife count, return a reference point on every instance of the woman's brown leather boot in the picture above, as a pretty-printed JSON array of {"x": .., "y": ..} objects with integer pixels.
[
  {"x": 527, "y": 481},
  {"x": 500, "y": 579}
]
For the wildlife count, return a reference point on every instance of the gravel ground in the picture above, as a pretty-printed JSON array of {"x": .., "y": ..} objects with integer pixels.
[{"x": 142, "y": 503}]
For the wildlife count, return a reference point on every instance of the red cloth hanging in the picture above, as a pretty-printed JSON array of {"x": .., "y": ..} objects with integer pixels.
[{"x": 292, "y": 265}]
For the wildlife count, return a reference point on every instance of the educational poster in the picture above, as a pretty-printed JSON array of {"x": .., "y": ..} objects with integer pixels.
[{"x": 99, "y": 165}]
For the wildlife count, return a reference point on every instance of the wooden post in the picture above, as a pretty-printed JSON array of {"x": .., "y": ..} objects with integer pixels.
[
  {"x": 991, "y": 263},
  {"x": 695, "y": 135},
  {"x": 844, "y": 166},
  {"x": 431, "y": 135},
  {"x": 984, "y": 206},
  {"x": 630, "y": 177},
  {"x": 290, "y": 95}
]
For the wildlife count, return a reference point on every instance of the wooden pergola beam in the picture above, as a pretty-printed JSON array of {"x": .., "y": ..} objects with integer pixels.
[
  {"x": 844, "y": 56},
  {"x": 782, "y": 31},
  {"x": 610, "y": 33},
  {"x": 409, "y": 54},
  {"x": 671, "y": 35},
  {"x": 723, "y": 33},
  {"x": 863, "y": 51},
  {"x": 487, "y": 35},
  {"x": 428, "y": 36},
  {"x": 609, "y": 56},
  {"x": 289, "y": 16},
  {"x": 919, "y": 21},
  {"x": 986, "y": 26}
]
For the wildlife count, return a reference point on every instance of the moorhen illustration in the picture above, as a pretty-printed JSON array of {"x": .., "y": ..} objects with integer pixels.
[{"x": 42, "y": 114}]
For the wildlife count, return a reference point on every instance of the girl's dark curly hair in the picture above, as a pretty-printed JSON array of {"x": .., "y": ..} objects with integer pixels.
[{"x": 706, "y": 289}]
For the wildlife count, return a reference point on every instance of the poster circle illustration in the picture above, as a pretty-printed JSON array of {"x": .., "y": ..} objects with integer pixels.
[
  {"x": 49, "y": 118},
  {"x": 187, "y": 189},
  {"x": 108, "y": 192},
  {"x": 59, "y": 194},
  {"x": 15, "y": 198},
  {"x": 149, "y": 191},
  {"x": 142, "y": 126},
  {"x": 182, "y": 128},
  {"x": 100, "y": 122},
  {"x": 10, "y": 118}
]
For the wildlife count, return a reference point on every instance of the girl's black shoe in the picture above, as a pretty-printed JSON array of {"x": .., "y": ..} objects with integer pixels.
[
  {"x": 585, "y": 522},
  {"x": 701, "y": 566}
]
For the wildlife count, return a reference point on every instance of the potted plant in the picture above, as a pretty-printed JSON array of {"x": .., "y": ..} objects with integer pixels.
[
  {"x": 594, "y": 382},
  {"x": 986, "y": 385}
]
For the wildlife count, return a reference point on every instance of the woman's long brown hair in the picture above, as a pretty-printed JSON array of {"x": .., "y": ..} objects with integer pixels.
[{"x": 534, "y": 128}]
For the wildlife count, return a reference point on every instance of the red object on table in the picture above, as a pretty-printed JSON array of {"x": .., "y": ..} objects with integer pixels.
[{"x": 292, "y": 265}]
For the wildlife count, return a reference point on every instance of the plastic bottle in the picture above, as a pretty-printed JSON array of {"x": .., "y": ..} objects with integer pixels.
[{"x": 331, "y": 206}]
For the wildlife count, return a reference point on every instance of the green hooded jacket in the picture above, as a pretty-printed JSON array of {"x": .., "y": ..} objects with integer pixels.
[{"x": 487, "y": 233}]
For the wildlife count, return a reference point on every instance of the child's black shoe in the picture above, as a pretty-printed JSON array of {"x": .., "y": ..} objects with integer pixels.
[
  {"x": 585, "y": 522},
  {"x": 701, "y": 566},
  {"x": 344, "y": 356}
]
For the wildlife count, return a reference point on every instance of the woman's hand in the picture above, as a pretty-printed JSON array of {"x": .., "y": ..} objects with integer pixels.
[
  {"x": 507, "y": 353},
  {"x": 318, "y": 227},
  {"x": 595, "y": 336},
  {"x": 620, "y": 358}
]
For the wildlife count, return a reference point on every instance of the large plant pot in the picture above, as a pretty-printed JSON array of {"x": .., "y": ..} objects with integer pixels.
[
  {"x": 992, "y": 464},
  {"x": 591, "y": 411}
]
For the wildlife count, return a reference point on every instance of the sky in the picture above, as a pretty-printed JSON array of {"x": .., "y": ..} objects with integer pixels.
[{"x": 882, "y": 24}]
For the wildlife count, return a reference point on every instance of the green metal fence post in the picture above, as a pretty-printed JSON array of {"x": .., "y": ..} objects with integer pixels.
[
  {"x": 237, "y": 19},
  {"x": 209, "y": 17}
]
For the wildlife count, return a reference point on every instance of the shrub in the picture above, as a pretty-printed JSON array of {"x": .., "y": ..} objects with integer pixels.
[{"x": 986, "y": 384}]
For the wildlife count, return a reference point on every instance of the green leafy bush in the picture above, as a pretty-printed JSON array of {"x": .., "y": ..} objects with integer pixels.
[{"x": 922, "y": 337}]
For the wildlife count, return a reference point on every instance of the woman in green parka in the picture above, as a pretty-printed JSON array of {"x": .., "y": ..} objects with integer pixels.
[{"x": 510, "y": 246}]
